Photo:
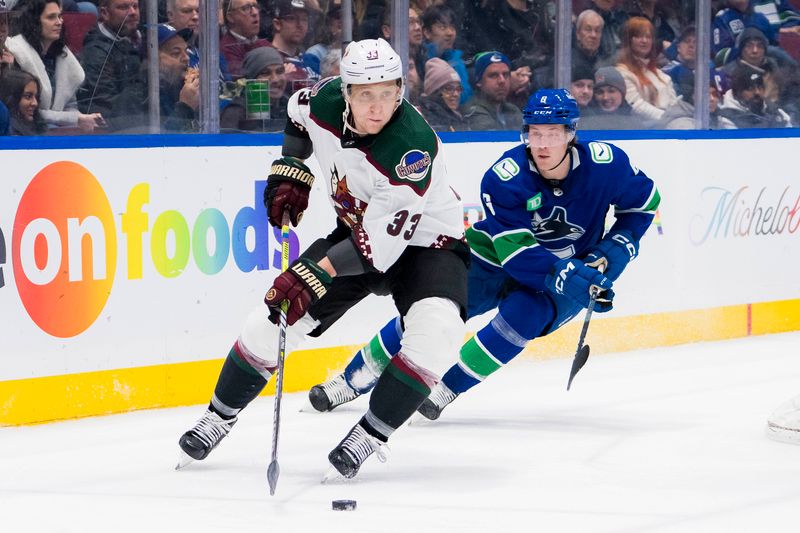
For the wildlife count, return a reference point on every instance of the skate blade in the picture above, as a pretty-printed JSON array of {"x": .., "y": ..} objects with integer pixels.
[
  {"x": 308, "y": 408},
  {"x": 332, "y": 476},
  {"x": 418, "y": 420},
  {"x": 183, "y": 460}
]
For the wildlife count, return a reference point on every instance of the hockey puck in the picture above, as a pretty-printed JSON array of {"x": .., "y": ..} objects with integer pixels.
[{"x": 343, "y": 505}]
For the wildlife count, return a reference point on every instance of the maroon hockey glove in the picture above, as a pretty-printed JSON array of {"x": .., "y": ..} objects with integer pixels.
[
  {"x": 303, "y": 284},
  {"x": 288, "y": 187}
]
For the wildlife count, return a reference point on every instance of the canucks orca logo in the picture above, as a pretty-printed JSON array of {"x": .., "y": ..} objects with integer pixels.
[
  {"x": 555, "y": 227},
  {"x": 413, "y": 165}
]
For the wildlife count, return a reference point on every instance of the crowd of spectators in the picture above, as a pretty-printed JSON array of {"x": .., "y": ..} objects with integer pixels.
[{"x": 472, "y": 63}]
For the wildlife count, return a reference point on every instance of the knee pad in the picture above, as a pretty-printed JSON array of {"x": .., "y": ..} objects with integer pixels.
[
  {"x": 259, "y": 337},
  {"x": 433, "y": 334}
]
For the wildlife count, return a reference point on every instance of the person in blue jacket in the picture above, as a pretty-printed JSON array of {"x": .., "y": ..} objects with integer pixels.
[{"x": 540, "y": 252}]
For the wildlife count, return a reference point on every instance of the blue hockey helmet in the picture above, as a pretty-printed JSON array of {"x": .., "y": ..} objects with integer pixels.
[{"x": 551, "y": 106}]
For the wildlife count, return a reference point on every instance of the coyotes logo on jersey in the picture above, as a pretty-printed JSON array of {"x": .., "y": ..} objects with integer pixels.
[{"x": 349, "y": 208}]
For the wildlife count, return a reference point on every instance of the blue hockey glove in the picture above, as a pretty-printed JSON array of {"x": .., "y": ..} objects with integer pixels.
[
  {"x": 573, "y": 279},
  {"x": 612, "y": 254}
]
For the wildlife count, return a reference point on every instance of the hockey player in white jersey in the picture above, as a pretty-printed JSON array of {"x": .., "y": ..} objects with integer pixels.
[{"x": 399, "y": 231}]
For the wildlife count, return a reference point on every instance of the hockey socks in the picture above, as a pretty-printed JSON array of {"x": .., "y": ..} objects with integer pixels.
[
  {"x": 402, "y": 387},
  {"x": 367, "y": 365},
  {"x": 238, "y": 385}
]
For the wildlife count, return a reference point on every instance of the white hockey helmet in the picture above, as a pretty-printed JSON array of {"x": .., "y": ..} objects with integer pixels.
[{"x": 370, "y": 61}]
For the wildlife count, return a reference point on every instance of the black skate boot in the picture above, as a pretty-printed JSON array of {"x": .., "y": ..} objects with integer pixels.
[
  {"x": 331, "y": 394},
  {"x": 440, "y": 397},
  {"x": 198, "y": 442},
  {"x": 354, "y": 449}
]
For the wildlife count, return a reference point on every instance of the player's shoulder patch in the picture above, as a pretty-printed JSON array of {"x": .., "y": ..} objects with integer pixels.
[
  {"x": 405, "y": 150},
  {"x": 506, "y": 168},
  {"x": 414, "y": 165},
  {"x": 601, "y": 152}
]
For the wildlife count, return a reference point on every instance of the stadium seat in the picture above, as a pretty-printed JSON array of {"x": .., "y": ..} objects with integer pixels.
[
  {"x": 76, "y": 26},
  {"x": 790, "y": 42}
]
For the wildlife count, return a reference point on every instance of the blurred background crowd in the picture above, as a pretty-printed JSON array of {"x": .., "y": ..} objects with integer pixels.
[{"x": 82, "y": 66}]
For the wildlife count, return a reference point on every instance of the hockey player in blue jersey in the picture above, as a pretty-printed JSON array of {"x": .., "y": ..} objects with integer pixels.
[{"x": 540, "y": 251}]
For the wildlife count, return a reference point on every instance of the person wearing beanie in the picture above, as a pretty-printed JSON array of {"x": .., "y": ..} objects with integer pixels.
[
  {"x": 582, "y": 84},
  {"x": 260, "y": 64},
  {"x": 731, "y": 21},
  {"x": 609, "y": 110},
  {"x": 750, "y": 53},
  {"x": 746, "y": 106},
  {"x": 489, "y": 109},
  {"x": 440, "y": 97}
]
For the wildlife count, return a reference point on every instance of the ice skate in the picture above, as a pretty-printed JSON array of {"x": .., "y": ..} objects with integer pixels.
[
  {"x": 784, "y": 423},
  {"x": 331, "y": 394},
  {"x": 198, "y": 442},
  {"x": 350, "y": 454},
  {"x": 440, "y": 397}
]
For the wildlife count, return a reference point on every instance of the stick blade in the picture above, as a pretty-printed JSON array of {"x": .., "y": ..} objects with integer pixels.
[
  {"x": 272, "y": 476},
  {"x": 580, "y": 359}
]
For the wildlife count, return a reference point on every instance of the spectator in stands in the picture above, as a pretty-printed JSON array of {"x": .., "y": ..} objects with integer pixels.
[
  {"x": 111, "y": 60},
  {"x": 441, "y": 96},
  {"x": 751, "y": 54},
  {"x": 439, "y": 30},
  {"x": 685, "y": 57},
  {"x": 6, "y": 57},
  {"x": 730, "y": 22},
  {"x": 680, "y": 116},
  {"x": 520, "y": 84},
  {"x": 417, "y": 53},
  {"x": 40, "y": 50},
  {"x": 609, "y": 110},
  {"x": 586, "y": 51},
  {"x": 264, "y": 64},
  {"x": 241, "y": 22},
  {"x": 331, "y": 34},
  {"x": 290, "y": 26},
  {"x": 613, "y": 19},
  {"x": 185, "y": 15},
  {"x": 488, "y": 108},
  {"x": 179, "y": 86},
  {"x": 781, "y": 15},
  {"x": 329, "y": 66},
  {"x": 664, "y": 22},
  {"x": 746, "y": 106},
  {"x": 647, "y": 89},
  {"x": 523, "y": 30},
  {"x": 582, "y": 85},
  {"x": 19, "y": 92}
]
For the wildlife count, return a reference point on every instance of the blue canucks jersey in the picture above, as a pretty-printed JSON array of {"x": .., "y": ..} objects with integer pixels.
[{"x": 532, "y": 222}]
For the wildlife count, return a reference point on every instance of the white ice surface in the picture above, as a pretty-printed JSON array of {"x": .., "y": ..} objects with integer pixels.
[{"x": 665, "y": 440}]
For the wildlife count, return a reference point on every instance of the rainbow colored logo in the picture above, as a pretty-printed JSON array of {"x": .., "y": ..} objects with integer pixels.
[{"x": 64, "y": 244}]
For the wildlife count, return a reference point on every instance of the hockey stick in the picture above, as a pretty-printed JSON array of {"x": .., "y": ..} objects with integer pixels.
[
  {"x": 274, "y": 470},
  {"x": 582, "y": 353}
]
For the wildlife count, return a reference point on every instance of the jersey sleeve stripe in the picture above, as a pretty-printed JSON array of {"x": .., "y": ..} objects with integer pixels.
[
  {"x": 480, "y": 243},
  {"x": 510, "y": 243},
  {"x": 650, "y": 205}
]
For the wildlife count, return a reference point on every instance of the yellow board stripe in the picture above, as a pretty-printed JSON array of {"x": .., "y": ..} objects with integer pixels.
[{"x": 36, "y": 400}]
